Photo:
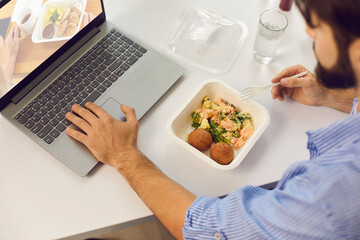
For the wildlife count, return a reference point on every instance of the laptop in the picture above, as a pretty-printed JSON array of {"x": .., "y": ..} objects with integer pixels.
[{"x": 68, "y": 53}]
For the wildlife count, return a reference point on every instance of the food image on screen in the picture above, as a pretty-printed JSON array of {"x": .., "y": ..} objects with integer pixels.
[{"x": 37, "y": 29}]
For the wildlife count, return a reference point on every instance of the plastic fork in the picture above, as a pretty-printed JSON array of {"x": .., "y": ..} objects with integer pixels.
[{"x": 252, "y": 91}]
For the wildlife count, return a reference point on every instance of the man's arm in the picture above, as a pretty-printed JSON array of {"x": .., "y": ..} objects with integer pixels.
[
  {"x": 114, "y": 142},
  {"x": 308, "y": 91}
]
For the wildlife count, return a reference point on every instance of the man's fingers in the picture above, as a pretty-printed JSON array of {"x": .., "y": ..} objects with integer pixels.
[
  {"x": 295, "y": 82},
  {"x": 2, "y": 44},
  {"x": 287, "y": 72},
  {"x": 17, "y": 33},
  {"x": 76, "y": 135},
  {"x": 101, "y": 113},
  {"x": 81, "y": 123},
  {"x": 129, "y": 112},
  {"x": 85, "y": 114}
]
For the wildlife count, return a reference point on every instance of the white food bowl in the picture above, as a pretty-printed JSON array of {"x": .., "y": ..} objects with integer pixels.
[{"x": 179, "y": 125}]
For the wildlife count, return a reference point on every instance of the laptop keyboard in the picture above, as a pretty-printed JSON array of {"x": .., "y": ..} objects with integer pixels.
[{"x": 84, "y": 81}]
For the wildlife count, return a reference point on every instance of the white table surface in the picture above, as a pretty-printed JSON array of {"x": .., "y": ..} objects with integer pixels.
[{"x": 41, "y": 198}]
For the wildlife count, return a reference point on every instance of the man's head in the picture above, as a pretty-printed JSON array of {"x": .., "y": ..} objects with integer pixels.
[{"x": 335, "y": 27}]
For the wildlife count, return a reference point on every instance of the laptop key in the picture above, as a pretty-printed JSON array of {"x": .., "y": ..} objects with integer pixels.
[
  {"x": 124, "y": 67},
  {"x": 99, "y": 51},
  {"x": 88, "y": 70},
  {"x": 62, "y": 104},
  {"x": 82, "y": 66},
  {"x": 77, "y": 80},
  {"x": 48, "y": 107},
  {"x": 91, "y": 77},
  {"x": 100, "y": 79},
  {"x": 44, "y": 121},
  {"x": 66, "y": 122},
  {"x": 60, "y": 95},
  {"x": 89, "y": 89},
  {"x": 127, "y": 40},
  {"x": 79, "y": 88},
  {"x": 56, "y": 109},
  {"x": 77, "y": 100},
  {"x": 115, "y": 65},
  {"x": 35, "y": 108},
  {"x": 109, "y": 60},
  {"x": 112, "y": 78},
  {"x": 94, "y": 84},
  {"x": 17, "y": 116},
  {"x": 41, "y": 102},
  {"x": 54, "y": 101},
  {"x": 36, "y": 118},
  {"x": 85, "y": 82},
  {"x": 44, "y": 131},
  {"x": 83, "y": 95},
  {"x": 138, "y": 54},
  {"x": 42, "y": 112},
  {"x": 68, "y": 98},
  {"x": 54, "y": 133},
  {"x": 29, "y": 113},
  {"x": 102, "y": 67},
  {"x": 101, "y": 89},
  {"x": 106, "y": 73},
  {"x": 119, "y": 72},
  {"x": 107, "y": 84},
  {"x": 131, "y": 60},
  {"x": 50, "y": 115},
  {"x": 22, "y": 119},
  {"x": 54, "y": 122},
  {"x": 48, "y": 139},
  {"x": 29, "y": 124},
  {"x": 91, "y": 98},
  {"x": 99, "y": 60},
  {"x": 61, "y": 127},
  {"x": 60, "y": 117},
  {"x": 37, "y": 128},
  {"x": 74, "y": 93},
  {"x": 66, "y": 90}
]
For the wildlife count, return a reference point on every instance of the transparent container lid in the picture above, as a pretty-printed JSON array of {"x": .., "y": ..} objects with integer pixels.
[{"x": 205, "y": 39}]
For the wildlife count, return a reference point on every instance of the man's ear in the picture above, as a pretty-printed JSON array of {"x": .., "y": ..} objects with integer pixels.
[{"x": 354, "y": 53}]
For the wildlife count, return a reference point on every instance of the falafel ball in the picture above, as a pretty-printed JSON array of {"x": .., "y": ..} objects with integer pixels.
[
  {"x": 222, "y": 153},
  {"x": 200, "y": 139}
]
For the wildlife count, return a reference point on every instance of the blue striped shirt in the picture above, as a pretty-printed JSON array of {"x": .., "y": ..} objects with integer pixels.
[{"x": 315, "y": 199}]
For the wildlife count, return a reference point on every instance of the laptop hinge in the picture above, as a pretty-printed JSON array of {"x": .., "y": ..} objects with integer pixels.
[{"x": 52, "y": 67}]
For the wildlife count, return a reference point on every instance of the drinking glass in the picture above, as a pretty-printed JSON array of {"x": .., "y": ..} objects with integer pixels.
[{"x": 271, "y": 28}]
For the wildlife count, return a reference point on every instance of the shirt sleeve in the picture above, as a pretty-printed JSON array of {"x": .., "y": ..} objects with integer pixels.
[{"x": 286, "y": 212}]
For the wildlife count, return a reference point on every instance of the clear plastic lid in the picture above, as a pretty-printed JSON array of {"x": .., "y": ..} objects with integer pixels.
[{"x": 205, "y": 39}]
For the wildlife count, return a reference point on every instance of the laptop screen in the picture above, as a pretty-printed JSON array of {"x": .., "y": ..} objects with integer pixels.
[{"x": 33, "y": 30}]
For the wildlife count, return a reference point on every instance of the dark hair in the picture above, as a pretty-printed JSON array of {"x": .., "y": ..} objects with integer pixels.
[{"x": 343, "y": 16}]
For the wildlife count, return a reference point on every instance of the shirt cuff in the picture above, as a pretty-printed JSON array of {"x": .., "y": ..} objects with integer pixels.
[{"x": 194, "y": 226}]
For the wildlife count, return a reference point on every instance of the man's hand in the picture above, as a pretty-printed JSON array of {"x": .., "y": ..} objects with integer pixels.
[
  {"x": 308, "y": 91},
  {"x": 107, "y": 138},
  {"x": 304, "y": 90},
  {"x": 114, "y": 143}
]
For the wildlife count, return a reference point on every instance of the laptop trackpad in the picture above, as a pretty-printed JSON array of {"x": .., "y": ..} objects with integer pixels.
[{"x": 113, "y": 108}]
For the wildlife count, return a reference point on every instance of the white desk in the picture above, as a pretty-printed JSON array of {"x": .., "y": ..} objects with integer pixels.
[{"x": 43, "y": 199}]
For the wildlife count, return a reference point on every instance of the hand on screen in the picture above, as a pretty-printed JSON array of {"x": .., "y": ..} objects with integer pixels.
[
  {"x": 88, "y": 17},
  {"x": 12, "y": 48}
]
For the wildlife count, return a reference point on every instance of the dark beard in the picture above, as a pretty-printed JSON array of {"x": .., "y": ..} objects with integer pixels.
[{"x": 341, "y": 76}]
